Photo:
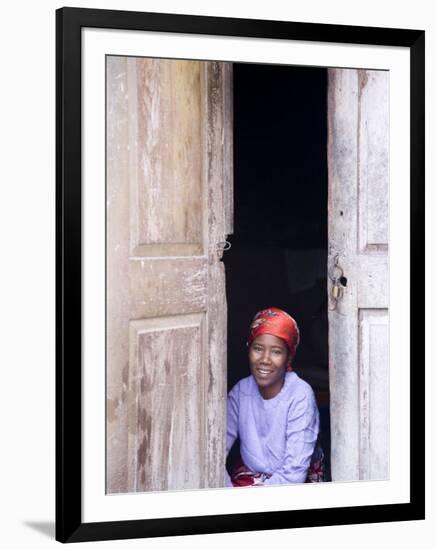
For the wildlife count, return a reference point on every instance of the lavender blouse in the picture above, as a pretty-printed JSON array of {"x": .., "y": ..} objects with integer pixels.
[{"x": 278, "y": 435}]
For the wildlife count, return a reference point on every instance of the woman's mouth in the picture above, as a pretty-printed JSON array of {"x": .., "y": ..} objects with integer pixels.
[{"x": 263, "y": 372}]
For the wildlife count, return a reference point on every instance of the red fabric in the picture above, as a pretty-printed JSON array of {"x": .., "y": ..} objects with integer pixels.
[
  {"x": 241, "y": 476},
  {"x": 277, "y": 322},
  {"x": 316, "y": 473}
]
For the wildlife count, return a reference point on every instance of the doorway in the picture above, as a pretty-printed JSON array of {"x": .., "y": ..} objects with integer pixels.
[{"x": 279, "y": 251}]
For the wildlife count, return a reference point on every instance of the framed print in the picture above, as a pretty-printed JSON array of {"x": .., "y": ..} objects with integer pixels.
[{"x": 240, "y": 255}]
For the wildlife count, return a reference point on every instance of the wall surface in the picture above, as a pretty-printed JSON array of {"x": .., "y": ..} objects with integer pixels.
[{"x": 27, "y": 214}]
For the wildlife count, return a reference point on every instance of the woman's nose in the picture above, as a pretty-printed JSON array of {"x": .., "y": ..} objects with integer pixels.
[{"x": 265, "y": 357}]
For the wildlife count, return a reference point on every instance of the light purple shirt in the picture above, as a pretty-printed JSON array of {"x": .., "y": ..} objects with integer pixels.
[{"x": 278, "y": 435}]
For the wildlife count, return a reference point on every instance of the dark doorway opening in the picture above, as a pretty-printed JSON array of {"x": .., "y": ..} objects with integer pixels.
[{"x": 279, "y": 246}]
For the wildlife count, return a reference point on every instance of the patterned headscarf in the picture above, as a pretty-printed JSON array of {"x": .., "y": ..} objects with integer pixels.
[{"x": 277, "y": 322}]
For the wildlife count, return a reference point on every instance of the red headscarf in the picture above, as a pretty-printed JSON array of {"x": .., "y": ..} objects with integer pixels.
[{"x": 277, "y": 322}]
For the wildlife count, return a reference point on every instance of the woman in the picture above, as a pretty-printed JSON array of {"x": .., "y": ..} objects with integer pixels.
[{"x": 273, "y": 411}]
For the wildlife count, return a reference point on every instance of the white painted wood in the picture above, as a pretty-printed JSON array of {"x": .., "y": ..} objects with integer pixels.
[
  {"x": 228, "y": 146},
  {"x": 218, "y": 133},
  {"x": 358, "y": 145},
  {"x": 166, "y": 435},
  {"x": 166, "y": 309},
  {"x": 373, "y": 389}
]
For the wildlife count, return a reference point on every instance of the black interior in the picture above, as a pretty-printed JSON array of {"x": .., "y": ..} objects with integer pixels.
[{"x": 278, "y": 255}]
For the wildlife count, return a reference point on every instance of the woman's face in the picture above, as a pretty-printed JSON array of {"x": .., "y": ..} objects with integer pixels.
[{"x": 268, "y": 356}]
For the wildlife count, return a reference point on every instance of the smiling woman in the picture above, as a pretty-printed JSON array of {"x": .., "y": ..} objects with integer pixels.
[
  {"x": 268, "y": 357},
  {"x": 273, "y": 411}
]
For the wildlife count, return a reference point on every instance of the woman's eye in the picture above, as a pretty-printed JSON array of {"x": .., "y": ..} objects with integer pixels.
[{"x": 277, "y": 351}]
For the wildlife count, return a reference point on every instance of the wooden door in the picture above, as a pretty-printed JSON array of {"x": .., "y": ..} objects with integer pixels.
[
  {"x": 169, "y": 177},
  {"x": 358, "y": 171}
]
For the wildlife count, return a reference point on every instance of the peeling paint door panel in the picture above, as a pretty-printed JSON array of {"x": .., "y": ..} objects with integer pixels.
[
  {"x": 169, "y": 189},
  {"x": 358, "y": 223}
]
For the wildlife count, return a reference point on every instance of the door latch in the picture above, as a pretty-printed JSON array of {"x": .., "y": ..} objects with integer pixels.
[{"x": 339, "y": 282}]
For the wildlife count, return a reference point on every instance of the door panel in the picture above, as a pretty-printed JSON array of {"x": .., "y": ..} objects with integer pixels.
[
  {"x": 167, "y": 191},
  {"x": 167, "y": 122},
  {"x": 373, "y": 392},
  {"x": 358, "y": 218},
  {"x": 373, "y": 161},
  {"x": 166, "y": 427}
]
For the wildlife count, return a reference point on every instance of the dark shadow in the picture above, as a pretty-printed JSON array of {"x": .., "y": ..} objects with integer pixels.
[
  {"x": 278, "y": 255},
  {"x": 47, "y": 528}
]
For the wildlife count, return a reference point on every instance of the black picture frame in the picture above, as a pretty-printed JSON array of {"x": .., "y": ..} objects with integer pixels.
[{"x": 69, "y": 525}]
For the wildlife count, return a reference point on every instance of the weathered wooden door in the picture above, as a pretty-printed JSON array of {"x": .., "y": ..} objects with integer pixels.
[
  {"x": 358, "y": 157},
  {"x": 169, "y": 173}
]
